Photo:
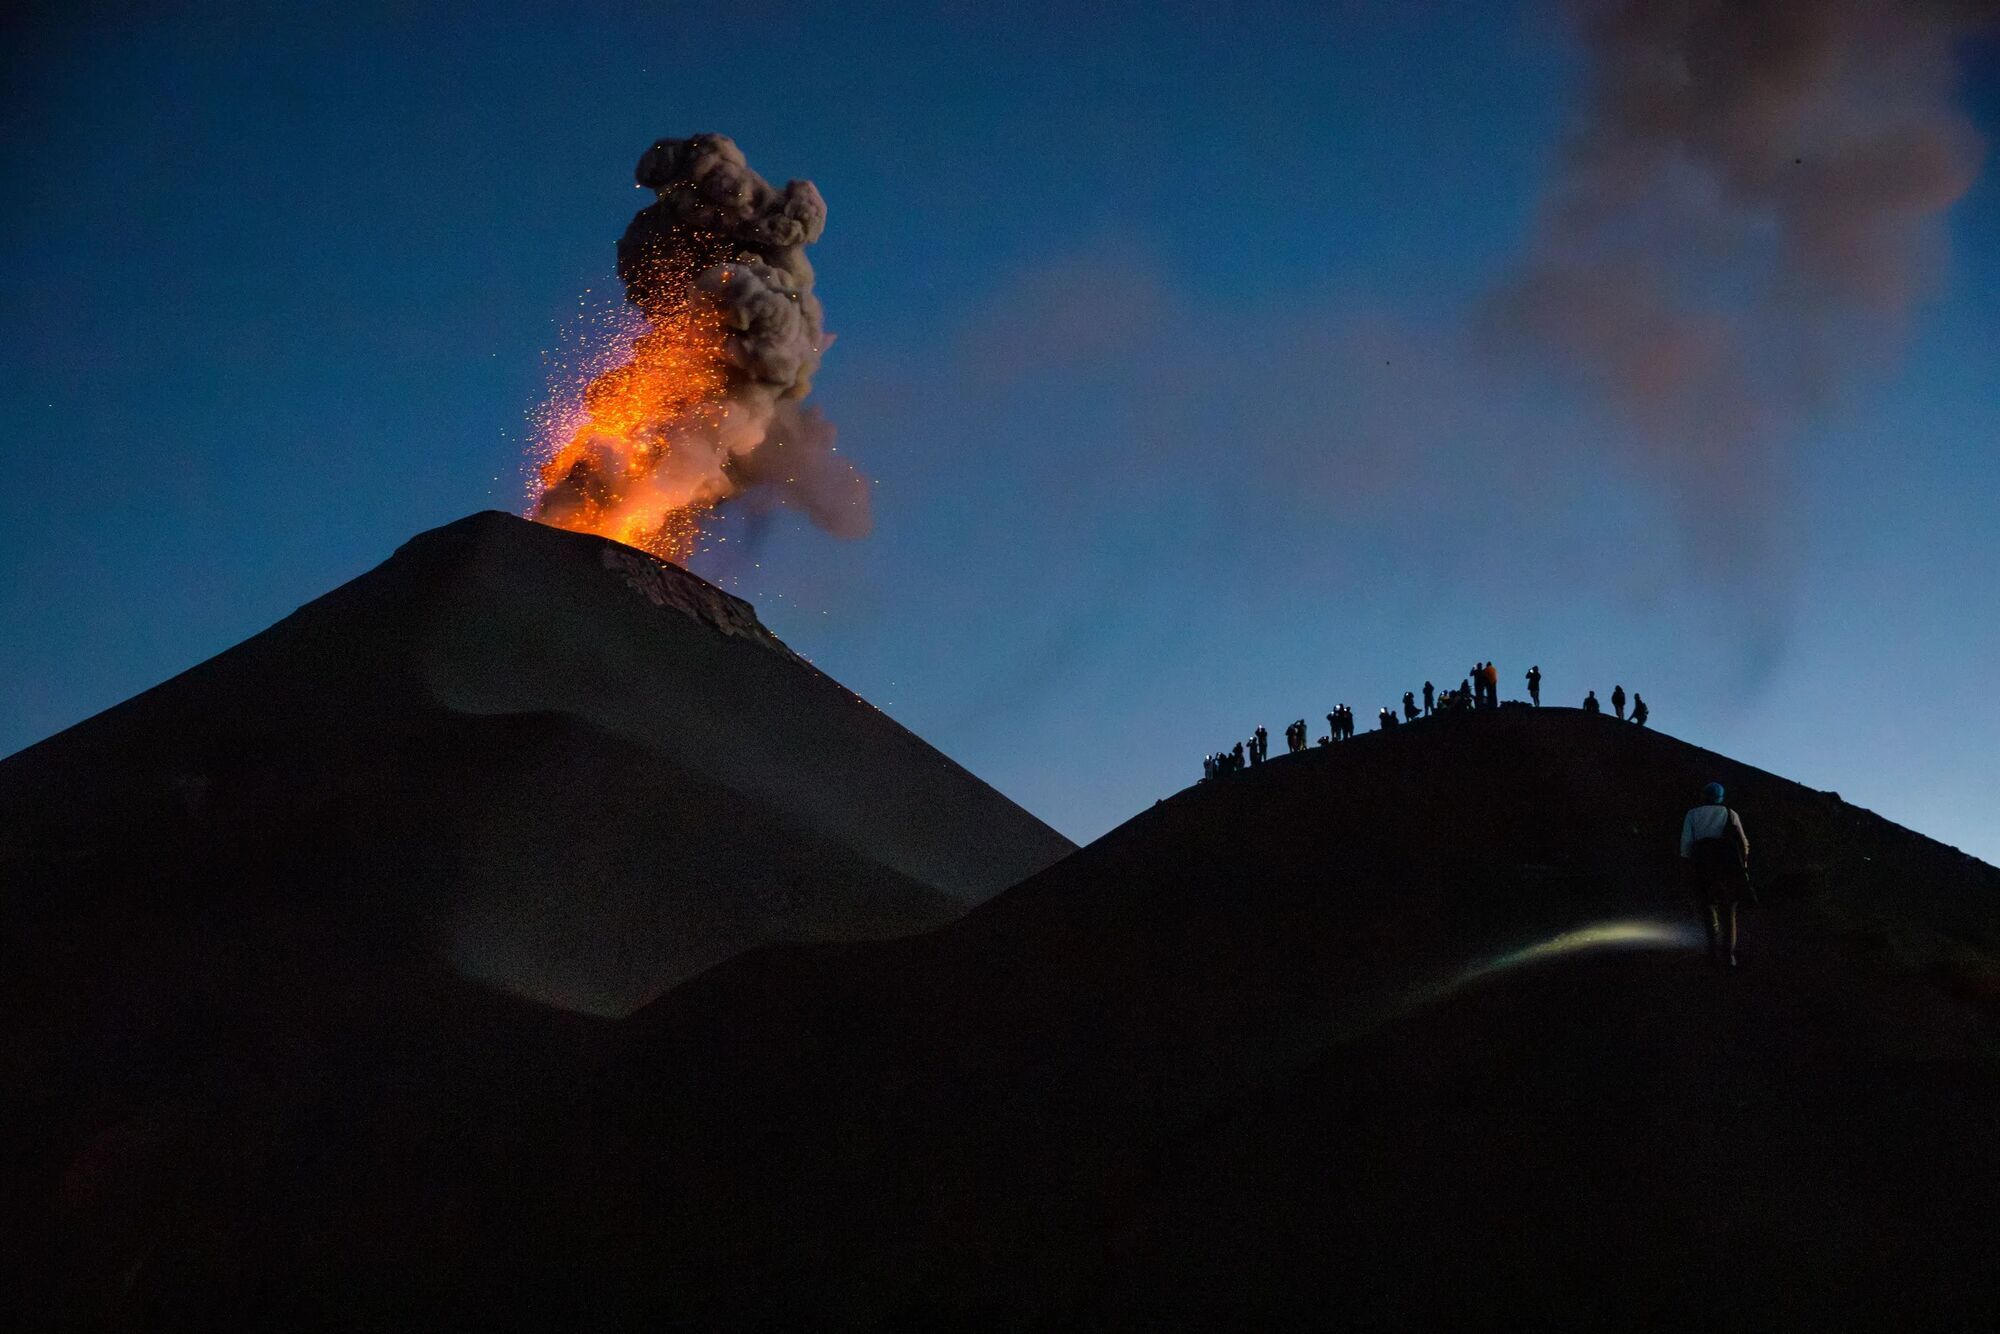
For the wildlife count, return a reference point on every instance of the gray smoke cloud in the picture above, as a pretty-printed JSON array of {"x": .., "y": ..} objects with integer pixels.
[
  {"x": 1742, "y": 217},
  {"x": 722, "y": 238}
]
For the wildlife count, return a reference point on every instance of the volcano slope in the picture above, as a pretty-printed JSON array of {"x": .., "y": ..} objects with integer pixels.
[
  {"x": 582, "y": 773},
  {"x": 277, "y": 922},
  {"x": 1412, "y": 1031}
]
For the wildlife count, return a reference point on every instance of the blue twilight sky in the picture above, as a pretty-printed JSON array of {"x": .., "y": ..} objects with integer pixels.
[{"x": 1152, "y": 331}]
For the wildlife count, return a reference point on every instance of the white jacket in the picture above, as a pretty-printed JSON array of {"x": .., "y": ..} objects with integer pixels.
[{"x": 1711, "y": 822}]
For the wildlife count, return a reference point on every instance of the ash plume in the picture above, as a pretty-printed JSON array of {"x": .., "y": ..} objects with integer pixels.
[
  {"x": 710, "y": 404},
  {"x": 1744, "y": 215}
]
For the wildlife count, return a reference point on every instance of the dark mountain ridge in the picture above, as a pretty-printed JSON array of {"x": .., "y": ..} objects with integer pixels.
[
  {"x": 581, "y": 773},
  {"x": 1460, "y": 956},
  {"x": 1413, "y": 1031}
]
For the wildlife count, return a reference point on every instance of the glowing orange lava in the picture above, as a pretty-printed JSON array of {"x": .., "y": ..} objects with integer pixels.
[{"x": 607, "y": 445}]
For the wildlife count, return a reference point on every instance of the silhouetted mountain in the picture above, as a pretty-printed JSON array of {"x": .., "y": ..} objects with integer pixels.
[
  {"x": 254, "y": 912},
  {"x": 585, "y": 773},
  {"x": 1413, "y": 1032}
]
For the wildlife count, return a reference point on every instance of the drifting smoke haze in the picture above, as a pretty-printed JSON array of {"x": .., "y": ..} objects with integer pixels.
[
  {"x": 708, "y": 406},
  {"x": 1743, "y": 215}
]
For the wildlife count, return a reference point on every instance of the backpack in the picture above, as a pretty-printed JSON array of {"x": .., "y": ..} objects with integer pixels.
[{"x": 1721, "y": 855}]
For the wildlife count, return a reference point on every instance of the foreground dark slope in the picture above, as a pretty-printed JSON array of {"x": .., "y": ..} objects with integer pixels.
[
  {"x": 1270, "y": 1052},
  {"x": 1231, "y": 1062}
]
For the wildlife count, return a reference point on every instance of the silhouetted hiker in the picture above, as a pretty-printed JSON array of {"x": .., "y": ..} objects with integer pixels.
[
  {"x": 1590, "y": 704},
  {"x": 1207, "y": 767},
  {"x": 1430, "y": 697},
  {"x": 1535, "y": 684},
  {"x": 1333, "y": 726},
  {"x": 1717, "y": 853},
  {"x": 1618, "y": 702},
  {"x": 1464, "y": 694},
  {"x": 1295, "y": 736},
  {"x": 1492, "y": 686},
  {"x": 1638, "y": 709},
  {"x": 1410, "y": 705},
  {"x": 1236, "y": 757}
]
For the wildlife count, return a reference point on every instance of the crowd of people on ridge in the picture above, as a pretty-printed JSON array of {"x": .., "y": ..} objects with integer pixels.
[
  {"x": 1713, "y": 847},
  {"x": 1479, "y": 690}
]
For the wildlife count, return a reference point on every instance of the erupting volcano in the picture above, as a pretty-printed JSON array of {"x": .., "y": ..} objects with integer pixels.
[{"x": 707, "y": 405}]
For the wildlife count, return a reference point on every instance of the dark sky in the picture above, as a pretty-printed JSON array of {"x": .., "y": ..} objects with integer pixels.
[{"x": 1158, "y": 330}]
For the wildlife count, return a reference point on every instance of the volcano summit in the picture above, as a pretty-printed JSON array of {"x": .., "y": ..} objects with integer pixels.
[{"x": 581, "y": 772}]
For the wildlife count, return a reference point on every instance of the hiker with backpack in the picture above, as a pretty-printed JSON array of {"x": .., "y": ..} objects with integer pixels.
[
  {"x": 1639, "y": 710},
  {"x": 1716, "y": 852}
]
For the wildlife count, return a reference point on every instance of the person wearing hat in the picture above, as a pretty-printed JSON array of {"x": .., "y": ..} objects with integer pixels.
[{"x": 1716, "y": 852}]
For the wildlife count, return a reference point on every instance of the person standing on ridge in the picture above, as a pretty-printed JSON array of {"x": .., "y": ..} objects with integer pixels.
[
  {"x": 1492, "y": 686},
  {"x": 1590, "y": 704},
  {"x": 1535, "y": 684},
  {"x": 1716, "y": 852},
  {"x": 1465, "y": 700},
  {"x": 1618, "y": 702},
  {"x": 1236, "y": 758},
  {"x": 1430, "y": 697},
  {"x": 1639, "y": 710},
  {"x": 1409, "y": 706},
  {"x": 1261, "y": 741},
  {"x": 1333, "y": 726}
]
